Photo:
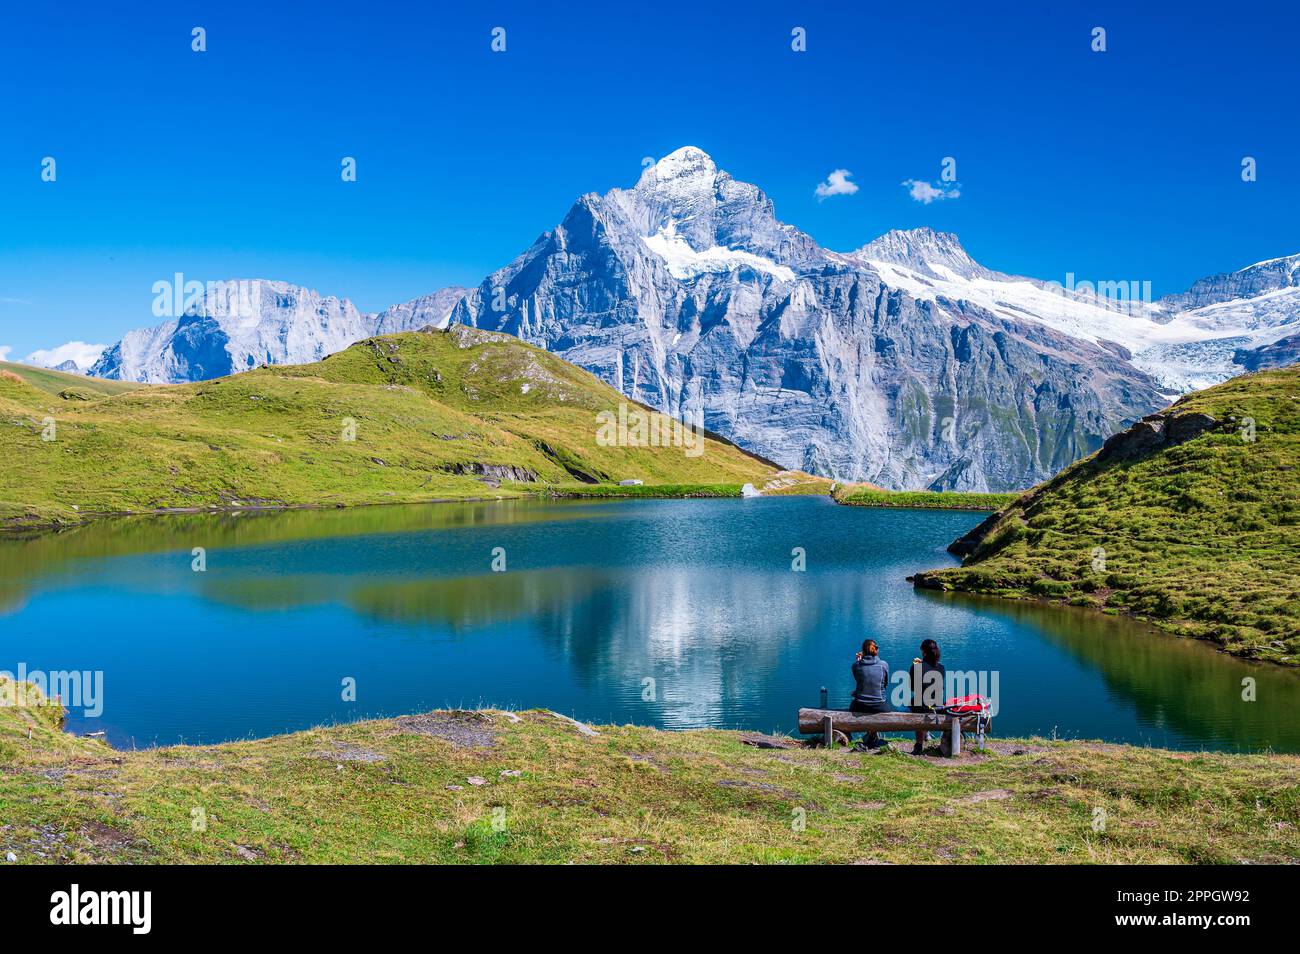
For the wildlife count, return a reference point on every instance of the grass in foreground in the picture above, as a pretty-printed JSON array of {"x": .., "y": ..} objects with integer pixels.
[
  {"x": 1200, "y": 536},
  {"x": 858, "y": 495},
  {"x": 482, "y": 787},
  {"x": 430, "y": 415}
]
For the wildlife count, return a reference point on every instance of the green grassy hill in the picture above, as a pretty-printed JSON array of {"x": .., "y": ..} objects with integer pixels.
[
  {"x": 530, "y": 787},
  {"x": 868, "y": 495},
  {"x": 1191, "y": 519},
  {"x": 53, "y": 382},
  {"x": 435, "y": 415}
]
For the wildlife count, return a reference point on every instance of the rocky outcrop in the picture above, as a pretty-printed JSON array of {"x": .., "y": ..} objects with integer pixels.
[
  {"x": 1154, "y": 432},
  {"x": 1279, "y": 354},
  {"x": 493, "y": 474}
]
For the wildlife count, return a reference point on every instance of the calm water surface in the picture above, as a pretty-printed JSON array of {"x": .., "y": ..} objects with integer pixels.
[{"x": 597, "y": 598}]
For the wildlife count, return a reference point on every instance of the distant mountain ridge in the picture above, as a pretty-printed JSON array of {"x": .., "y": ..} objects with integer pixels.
[
  {"x": 241, "y": 324},
  {"x": 1273, "y": 275},
  {"x": 905, "y": 362}
]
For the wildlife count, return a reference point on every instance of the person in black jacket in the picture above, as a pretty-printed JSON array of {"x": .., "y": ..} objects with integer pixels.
[
  {"x": 871, "y": 686},
  {"x": 927, "y": 685}
]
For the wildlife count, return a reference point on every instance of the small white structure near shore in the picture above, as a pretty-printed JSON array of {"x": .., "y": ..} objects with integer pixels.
[
  {"x": 629, "y": 483},
  {"x": 749, "y": 490}
]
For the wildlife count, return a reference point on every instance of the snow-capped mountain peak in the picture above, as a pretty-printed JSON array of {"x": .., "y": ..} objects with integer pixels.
[
  {"x": 679, "y": 191},
  {"x": 705, "y": 208},
  {"x": 686, "y": 292},
  {"x": 685, "y": 171},
  {"x": 922, "y": 249}
]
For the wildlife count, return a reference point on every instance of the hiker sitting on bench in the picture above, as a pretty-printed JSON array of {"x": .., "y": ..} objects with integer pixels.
[
  {"x": 871, "y": 687},
  {"x": 927, "y": 685}
]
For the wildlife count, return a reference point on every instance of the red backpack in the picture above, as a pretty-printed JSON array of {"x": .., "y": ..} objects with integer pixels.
[{"x": 963, "y": 705}]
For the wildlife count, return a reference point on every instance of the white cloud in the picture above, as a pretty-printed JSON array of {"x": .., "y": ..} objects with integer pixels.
[
  {"x": 83, "y": 354},
  {"x": 922, "y": 191},
  {"x": 4, "y": 352},
  {"x": 837, "y": 183}
]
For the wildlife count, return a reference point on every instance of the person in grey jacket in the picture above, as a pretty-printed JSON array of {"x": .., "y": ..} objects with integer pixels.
[{"x": 871, "y": 686}]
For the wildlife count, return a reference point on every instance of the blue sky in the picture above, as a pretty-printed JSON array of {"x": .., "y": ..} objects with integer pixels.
[{"x": 1117, "y": 165}]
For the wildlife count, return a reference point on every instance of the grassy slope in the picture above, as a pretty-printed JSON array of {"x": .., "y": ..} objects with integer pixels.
[
  {"x": 425, "y": 405},
  {"x": 52, "y": 382},
  {"x": 1202, "y": 538},
  {"x": 859, "y": 495},
  {"x": 383, "y": 791}
]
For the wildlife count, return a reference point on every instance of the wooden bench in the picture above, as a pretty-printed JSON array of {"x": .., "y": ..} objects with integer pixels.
[{"x": 827, "y": 722}]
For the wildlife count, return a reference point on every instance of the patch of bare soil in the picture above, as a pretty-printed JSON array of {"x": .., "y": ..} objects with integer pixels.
[
  {"x": 464, "y": 730},
  {"x": 992, "y": 795},
  {"x": 108, "y": 842},
  {"x": 760, "y": 787},
  {"x": 1018, "y": 748},
  {"x": 1044, "y": 793},
  {"x": 347, "y": 752}
]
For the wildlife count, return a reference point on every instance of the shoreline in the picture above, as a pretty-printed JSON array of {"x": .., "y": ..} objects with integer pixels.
[
  {"x": 1154, "y": 625},
  {"x": 932, "y": 581},
  {"x": 15, "y": 525},
  {"x": 10, "y": 530}
]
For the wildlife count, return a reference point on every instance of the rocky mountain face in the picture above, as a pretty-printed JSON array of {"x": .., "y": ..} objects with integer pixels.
[
  {"x": 427, "y": 311},
  {"x": 237, "y": 325},
  {"x": 1273, "y": 275},
  {"x": 1279, "y": 354},
  {"x": 904, "y": 363},
  {"x": 686, "y": 293},
  {"x": 939, "y": 255}
]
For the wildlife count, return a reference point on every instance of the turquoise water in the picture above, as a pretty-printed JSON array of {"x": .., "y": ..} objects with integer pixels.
[{"x": 670, "y": 613}]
